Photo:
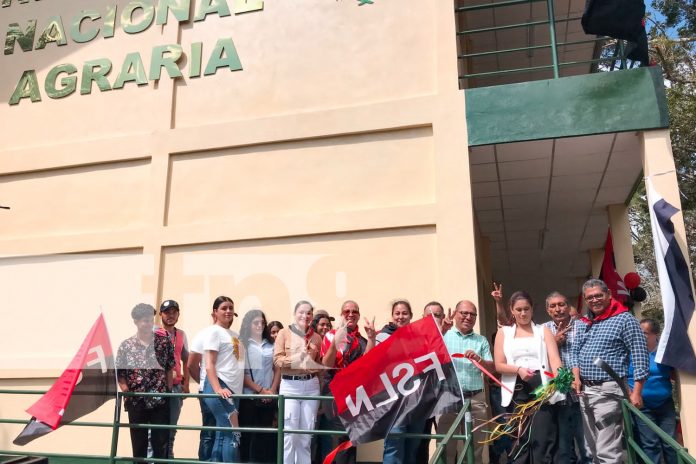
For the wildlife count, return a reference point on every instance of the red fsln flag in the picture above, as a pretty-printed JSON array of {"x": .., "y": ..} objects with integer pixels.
[
  {"x": 408, "y": 376},
  {"x": 609, "y": 274},
  {"x": 87, "y": 383}
]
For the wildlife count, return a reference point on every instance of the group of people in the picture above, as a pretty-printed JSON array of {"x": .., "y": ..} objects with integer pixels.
[{"x": 300, "y": 360}]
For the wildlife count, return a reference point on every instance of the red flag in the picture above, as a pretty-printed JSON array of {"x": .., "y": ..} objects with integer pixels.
[
  {"x": 87, "y": 383},
  {"x": 408, "y": 376},
  {"x": 609, "y": 274}
]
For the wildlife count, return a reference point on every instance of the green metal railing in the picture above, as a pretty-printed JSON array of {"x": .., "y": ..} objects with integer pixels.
[
  {"x": 115, "y": 426},
  {"x": 634, "y": 450},
  {"x": 619, "y": 53}
]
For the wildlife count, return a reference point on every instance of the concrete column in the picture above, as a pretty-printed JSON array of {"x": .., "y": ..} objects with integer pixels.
[
  {"x": 487, "y": 317},
  {"x": 621, "y": 233},
  {"x": 658, "y": 164},
  {"x": 596, "y": 258},
  {"x": 623, "y": 248}
]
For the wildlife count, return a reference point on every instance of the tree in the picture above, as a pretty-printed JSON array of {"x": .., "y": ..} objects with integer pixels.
[{"x": 672, "y": 33}]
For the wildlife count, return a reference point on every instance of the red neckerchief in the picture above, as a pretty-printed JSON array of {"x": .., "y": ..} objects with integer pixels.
[
  {"x": 346, "y": 351},
  {"x": 308, "y": 334},
  {"x": 615, "y": 308}
]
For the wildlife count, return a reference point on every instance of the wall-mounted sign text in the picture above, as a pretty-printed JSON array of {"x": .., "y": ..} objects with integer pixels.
[{"x": 136, "y": 16}]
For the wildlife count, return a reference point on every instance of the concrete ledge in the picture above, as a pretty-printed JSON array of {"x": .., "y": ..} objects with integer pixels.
[{"x": 618, "y": 101}]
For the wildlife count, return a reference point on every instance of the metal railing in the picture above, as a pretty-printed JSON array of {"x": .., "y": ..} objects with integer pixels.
[
  {"x": 113, "y": 458},
  {"x": 633, "y": 447},
  {"x": 617, "y": 56}
]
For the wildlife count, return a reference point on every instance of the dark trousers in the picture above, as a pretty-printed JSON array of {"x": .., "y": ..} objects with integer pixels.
[
  {"x": 329, "y": 442},
  {"x": 664, "y": 417},
  {"x": 502, "y": 445},
  {"x": 423, "y": 453},
  {"x": 159, "y": 437},
  {"x": 257, "y": 447},
  {"x": 539, "y": 444}
]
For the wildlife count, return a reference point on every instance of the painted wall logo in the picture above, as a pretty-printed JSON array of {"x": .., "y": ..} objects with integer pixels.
[{"x": 135, "y": 17}]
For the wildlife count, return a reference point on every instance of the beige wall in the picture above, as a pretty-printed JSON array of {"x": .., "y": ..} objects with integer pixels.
[{"x": 334, "y": 165}]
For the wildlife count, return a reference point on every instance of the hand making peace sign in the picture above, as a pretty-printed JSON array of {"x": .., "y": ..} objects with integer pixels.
[{"x": 497, "y": 292}]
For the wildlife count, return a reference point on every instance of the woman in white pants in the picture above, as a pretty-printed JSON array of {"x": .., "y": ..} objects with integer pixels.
[{"x": 296, "y": 353}]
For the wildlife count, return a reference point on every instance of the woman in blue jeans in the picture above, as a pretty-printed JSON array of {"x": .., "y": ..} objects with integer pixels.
[
  {"x": 400, "y": 450},
  {"x": 657, "y": 401},
  {"x": 224, "y": 365}
]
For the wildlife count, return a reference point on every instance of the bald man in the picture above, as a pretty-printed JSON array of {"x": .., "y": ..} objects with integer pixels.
[{"x": 462, "y": 339}]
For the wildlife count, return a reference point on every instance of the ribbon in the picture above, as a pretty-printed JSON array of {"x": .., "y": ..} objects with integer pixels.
[
  {"x": 482, "y": 369},
  {"x": 332, "y": 455}
]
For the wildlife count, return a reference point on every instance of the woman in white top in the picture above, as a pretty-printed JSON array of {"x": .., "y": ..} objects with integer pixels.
[
  {"x": 525, "y": 355},
  {"x": 224, "y": 366}
]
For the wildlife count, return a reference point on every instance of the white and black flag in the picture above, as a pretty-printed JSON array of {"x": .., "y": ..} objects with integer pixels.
[{"x": 675, "y": 348}]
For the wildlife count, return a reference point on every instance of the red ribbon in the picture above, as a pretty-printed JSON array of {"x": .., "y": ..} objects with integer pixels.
[
  {"x": 482, "y": 369},
  {"x": 332, "y": 455}
]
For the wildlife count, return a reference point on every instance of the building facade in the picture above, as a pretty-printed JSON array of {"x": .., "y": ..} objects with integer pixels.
[{"x": 278, "y": 151}]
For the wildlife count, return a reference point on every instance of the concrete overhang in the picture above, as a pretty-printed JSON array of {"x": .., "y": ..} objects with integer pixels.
[
  {"x": 543, "y": 205},
  {"x": 547, "y": 158}
]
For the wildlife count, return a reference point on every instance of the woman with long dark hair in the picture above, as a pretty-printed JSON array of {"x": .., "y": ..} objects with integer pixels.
[
  {"x": 224, "y": 366},
  {"x": 523, "y": 354},
  {"x": 261, "y": 377},
  {"x": 400, "y": 450},
  {"x": 273, "y": 329}
]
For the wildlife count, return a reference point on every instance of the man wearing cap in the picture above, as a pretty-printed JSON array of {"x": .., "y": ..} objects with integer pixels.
[
  {"x": 169, "y": 312},
  {"x": 144, "y": 364}
]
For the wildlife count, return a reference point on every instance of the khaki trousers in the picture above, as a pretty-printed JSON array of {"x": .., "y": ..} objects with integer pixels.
[
  {"x": 602, "y": 422},
  {"x": 480, "y": 413}
]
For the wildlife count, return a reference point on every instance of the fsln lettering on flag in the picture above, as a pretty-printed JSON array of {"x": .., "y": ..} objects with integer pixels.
[
  {"x": 87, "y": 383},
  {"x": 408, "y": 376},
  {"x": 675, "y": 348}
]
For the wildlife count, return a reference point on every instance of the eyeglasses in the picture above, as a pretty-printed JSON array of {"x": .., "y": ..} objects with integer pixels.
[
  {"x": 596, "y": 296},
  {"x": 468, "y": 314},
  {"x": 349, "y": 311}
]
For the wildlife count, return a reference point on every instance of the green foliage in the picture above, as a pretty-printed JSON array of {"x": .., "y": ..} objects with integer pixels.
[{"x": 672, "y": 47}]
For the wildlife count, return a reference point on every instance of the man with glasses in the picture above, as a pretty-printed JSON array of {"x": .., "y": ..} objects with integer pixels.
[
  {"x": 462, "y": 339},
  {"x": 564, "y": 328},
  {"x": 445, "y": 323},
  {"x": 341, "y": 347},
  {"x": 612, "y": 334}
]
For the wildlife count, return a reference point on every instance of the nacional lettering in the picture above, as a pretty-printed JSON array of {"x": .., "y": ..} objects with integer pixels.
[
  {"x": 135, "y": 17},
  {"x": 402, "y": 372}
]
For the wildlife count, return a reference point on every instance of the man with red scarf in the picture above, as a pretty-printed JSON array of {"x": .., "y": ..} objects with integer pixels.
[
  {"x": 612, "y": 333},
  {"x": 341, "y": 347}
]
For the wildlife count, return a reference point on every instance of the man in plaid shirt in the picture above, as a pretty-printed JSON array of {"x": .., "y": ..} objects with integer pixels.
[{"x": 613, "y": 334}]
